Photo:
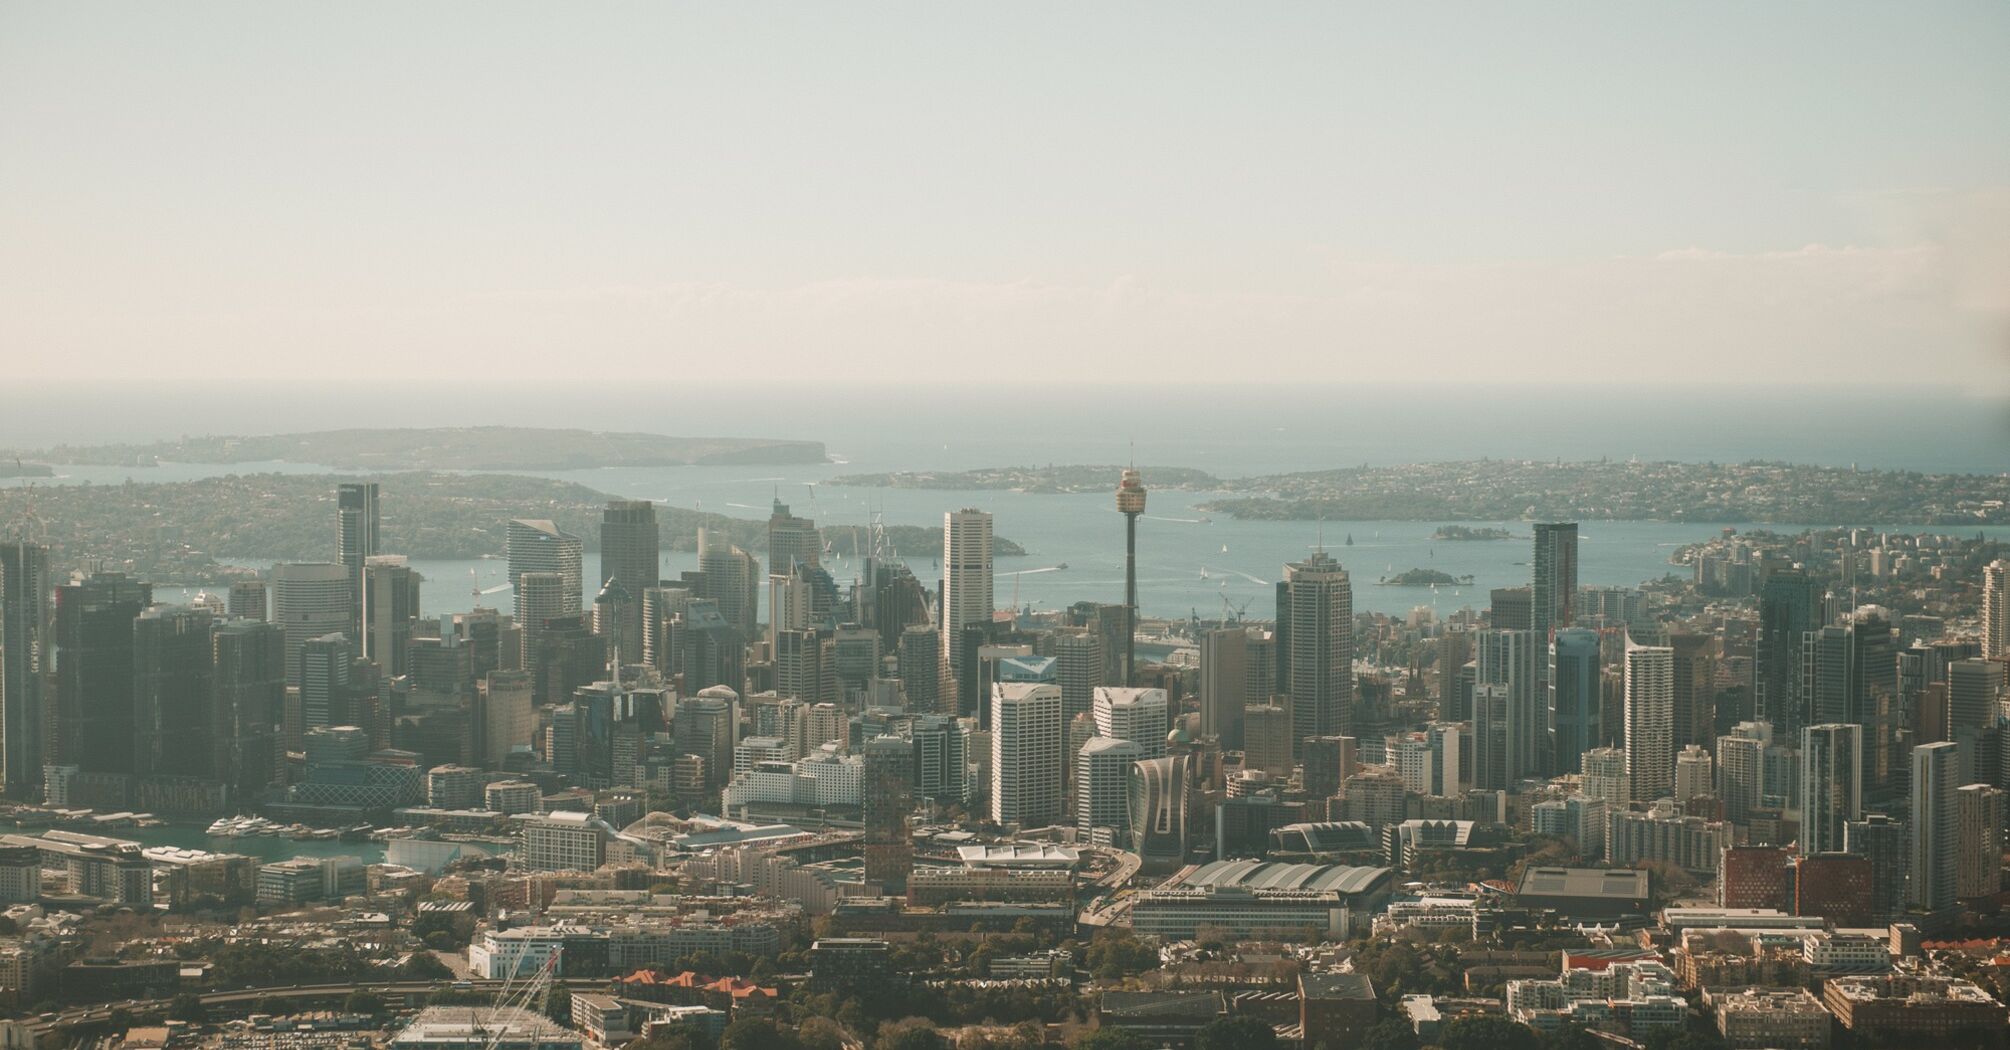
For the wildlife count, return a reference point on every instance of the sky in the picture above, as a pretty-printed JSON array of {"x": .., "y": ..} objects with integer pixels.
[{"x": 1583, "y": 193}]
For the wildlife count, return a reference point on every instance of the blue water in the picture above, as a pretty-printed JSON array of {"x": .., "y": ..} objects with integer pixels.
[{"x": 1030, "y": 420}]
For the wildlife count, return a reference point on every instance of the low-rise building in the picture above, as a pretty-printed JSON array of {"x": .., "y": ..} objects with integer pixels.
[
  {"x": 1908, "y": 1008},
  {"x": 1770, "y": 1019},
  {"x": 494, "y": 1027}
]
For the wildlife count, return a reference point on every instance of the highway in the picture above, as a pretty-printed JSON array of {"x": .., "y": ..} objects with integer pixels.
[{"x": 239, "y": 1000}]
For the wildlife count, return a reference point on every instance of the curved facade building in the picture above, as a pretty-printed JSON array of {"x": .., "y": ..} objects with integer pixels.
[{"x": 1162, "y": 793}]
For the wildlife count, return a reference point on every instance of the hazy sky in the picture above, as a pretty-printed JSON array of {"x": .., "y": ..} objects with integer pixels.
[{"x": 1070, "y": 193}]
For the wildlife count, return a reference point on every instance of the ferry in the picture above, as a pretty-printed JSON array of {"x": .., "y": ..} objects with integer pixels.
[{"x": 245, "y": 828}]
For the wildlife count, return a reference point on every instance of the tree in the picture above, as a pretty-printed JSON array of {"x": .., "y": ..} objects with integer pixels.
[
  {"x": 913, "y": 1033},
  {"x": 1393, "y": 1033},
  {"x": 757, "y": 1033},
  {"x": 1236, "y": 1033},
  {"x": 425, "y": 966},
  {"x": 1571, "y": 1037},
  {"x": 821, "y": 1033},
  {"x": 1111, "y": 1039},
  {"x": 360, "y": 1002},
  {"x": 1485, "y": 1032},
  {"x": 677, "y": 1039},
  {"x": 188, "y": 1007}
]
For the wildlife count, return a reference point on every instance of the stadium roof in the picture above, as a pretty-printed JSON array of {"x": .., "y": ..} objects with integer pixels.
[{"x": 1259, "y": 875}]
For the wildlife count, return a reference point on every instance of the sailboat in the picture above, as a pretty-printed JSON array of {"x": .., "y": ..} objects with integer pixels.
[{"x": 1350, "y": 539}]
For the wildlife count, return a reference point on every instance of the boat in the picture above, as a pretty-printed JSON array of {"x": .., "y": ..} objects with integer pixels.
[
  {"x": 1063, "y": 565},
  {"x": 1350, "y": 539},
  {"x": 1203, "y": 574},
  {"x": 1224, "y": 548}
]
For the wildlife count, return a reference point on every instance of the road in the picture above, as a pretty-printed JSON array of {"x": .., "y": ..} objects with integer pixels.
[{"x": 239, "y": 1000}]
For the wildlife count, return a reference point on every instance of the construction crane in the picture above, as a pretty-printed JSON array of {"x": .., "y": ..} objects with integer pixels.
[
  {"x": 1231, "y": 612},
  {"x": 515, "y": 997}
]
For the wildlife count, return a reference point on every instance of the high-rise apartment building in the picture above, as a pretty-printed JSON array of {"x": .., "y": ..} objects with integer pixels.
[
  {"x": 966, "y": 591},
  {"x": 1695, "y": 776},
  {"x": 1978, "y": 861},
  {"x": 357, "y": 537},
  {"x": 1026, "y": 753},
  {"x": 920, "y": 664},
  {"x": 1606, "y": 776},
  {"x": 1576, "y": 700},
  {"x": 1695, "y": 666},
  {"x": 1886, "y": 843},
  {"x": 1650, "y": 720},
  {"x": 1831, "y": 785},
  {"x": 309, "y": 600},
  {"x": 25, "y": 586},
  {"x": 94, "y": 670},
  {"x": 1508, "y": 660},
  {"x": 1079, "y": 663},
  {"x": 887, "y": 797},
  {"x": 1790, "y": 605},
  {"x": 173, "y": 688},
  {"x": 1850, "y": 675},
  {"x": 1315, "y": 645},
  {"x": 1553, "y": 589},
  {"x": 1936, "y": 826},
  {"x": 1741, "y": 770},
  {"x": 539, "y": 545},
  {"x": 1996, "y": 608}
]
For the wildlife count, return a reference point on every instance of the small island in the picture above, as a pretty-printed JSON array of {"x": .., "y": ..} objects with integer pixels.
[
  {"x": 1424, "y": 578},
  {"x": 1470, "y": 534}
]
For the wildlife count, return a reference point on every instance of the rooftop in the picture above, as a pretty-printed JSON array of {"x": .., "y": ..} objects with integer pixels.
[
  {"x": 1584, "y": 882},
  {"x": 1258, "y": 875}
]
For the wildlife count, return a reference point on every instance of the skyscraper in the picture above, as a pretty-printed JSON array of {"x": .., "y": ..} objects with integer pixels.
[
  {"x": 1315, "y": 643},
  {"x": 1978, "y": 868},
  {"x": 1137, "y": 715},
  {"x": 247, "y": 600},
  {"x": 94, "y": 670},
  {"x": 731, "y": 578},
  {"x": 1741, "y": 770},
  {"x": 1576, "y": 703},
  {"x": 1078, "y": 668},
  {"x": 538, "y": 545},
  {"x": 248, "y": 674},
  {"x": 390, "y": 609},
  {"x": 173, "y": 688},
  {"x": 1996, "y": 608},
  {"x": 630, "y": 555},
  {"x": 1553, "y": 590},
  {"x": 1790, "y": 605},
  {"x": 1102, "y": 786},
  {"x": 792, "y": 541},
  {"x": 1650, "y": 720},
  {"x": 1224, "y": 684},
  {"x": 324, "y": 683},
  {"x": 966, "y": 591},
  {"x": 1162, "y": 803},
  {"x": 1885, "y": 842},
  {"x": 1508, "y": 660},
  {"x": 540, "y": 599},
  {"x": 1130, "y": 503},
  {"x": 1831, "y": 785},
  {"x": 508, "y": 722},
  {"x": 887, "y": 797},
  {"x": 1850, "y": 675},
  {"x": 1936, "y": 827},
  {"x": 24, "y": 622},
  {"x": 357, "y": 524},
  {"x": 309, "y": 600},
  {"x": 920, "y": 663},
  {"x": 1695, "y": 663},
  {"x": 1026, "y": 754}
]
